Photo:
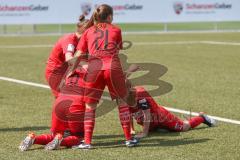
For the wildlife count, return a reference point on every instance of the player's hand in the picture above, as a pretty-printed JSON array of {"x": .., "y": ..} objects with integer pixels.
[
  {"x": 133, "y": 132},
  {"x": 69, "y": 74},
  {"x": 141, "y": 135},
  {"x": 133, "y": 68}
]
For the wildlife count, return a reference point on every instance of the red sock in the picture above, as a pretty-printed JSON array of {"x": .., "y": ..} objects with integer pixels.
[
  {"x": 89, "y": 122},
  {"x": 195, "y": 121},
  {"x": 43, "y": 139},
  {"x": 71, "y": 141},
  {"x": 124, "y": 115}
]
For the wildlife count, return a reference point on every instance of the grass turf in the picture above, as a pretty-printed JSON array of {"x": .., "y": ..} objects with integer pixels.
[{"x": 204, "y": 78}]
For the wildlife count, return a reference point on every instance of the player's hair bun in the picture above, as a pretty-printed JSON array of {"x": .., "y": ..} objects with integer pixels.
[
  {"x": 81, "y": 18},
  {"x": 102, "y": 12}
]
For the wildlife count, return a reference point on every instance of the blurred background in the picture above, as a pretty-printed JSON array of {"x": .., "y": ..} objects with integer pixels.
[{"x": 54, "y": 17}]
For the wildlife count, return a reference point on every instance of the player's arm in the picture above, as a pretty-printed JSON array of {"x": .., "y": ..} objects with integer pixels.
[
  {"x": 68, "y": 48},
  {"x": 146, "y": 124},
  {"x": 132, "y": 125},
  {"x": 68, "y": 56},
  {"x": 74, "y": 62},
  {"x": 68, "y": 51},
  {"x": 145, "y": 107},
  {"x": 131, "y": 69},
  {"x": 80, "y": 54}
]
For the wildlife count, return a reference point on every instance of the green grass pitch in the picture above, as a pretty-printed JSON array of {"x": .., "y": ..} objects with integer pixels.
[{"x": 205, "y": 77}]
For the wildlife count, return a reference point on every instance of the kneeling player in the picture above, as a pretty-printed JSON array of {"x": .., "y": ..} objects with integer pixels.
[
  {"x": 67, "y": 117},
  {"x": 152, "y": 116}
]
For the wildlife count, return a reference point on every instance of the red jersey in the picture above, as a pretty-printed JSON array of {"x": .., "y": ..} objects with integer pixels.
[
  {"x": 65, "y": 44},
  {"x": 102, "y": 41},
  {"x": 160, "y": 117},
  {"x": 144, "y": 102},
  {"x": 74, "y": 85}
]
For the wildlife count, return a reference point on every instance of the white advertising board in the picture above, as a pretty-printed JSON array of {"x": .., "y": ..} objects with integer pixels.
[{"x": 125, "y": 11}]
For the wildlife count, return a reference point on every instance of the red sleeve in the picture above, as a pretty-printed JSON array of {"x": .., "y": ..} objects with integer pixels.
[
  {"x": 68, "y": 45},
  {"x": 83, "y": 43}
]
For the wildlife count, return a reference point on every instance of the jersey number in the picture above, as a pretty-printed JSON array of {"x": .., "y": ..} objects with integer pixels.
[{"x": 100, "y": 34}]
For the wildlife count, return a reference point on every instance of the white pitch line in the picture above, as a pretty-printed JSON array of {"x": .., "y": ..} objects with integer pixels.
[
  {"x": 108, "y": 98},
  {"x": 166, "y": 43},
  {"x": 188, "y": 42},
  {"x": 24, "y": 82},
  {"x": 221, "y": 43},
  {"x": 26, "y": 46},
  {"x": 196, "y": 114},
  {"x": 179, "y": 32},
  {"x": 134, "y": 43}
]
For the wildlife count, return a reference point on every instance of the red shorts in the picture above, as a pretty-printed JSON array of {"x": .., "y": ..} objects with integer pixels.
[
  {"x": 68, "y": 114},
  {"x": 96, "y": 81},
  {"x": 55, "y": 76},
  {"x": 166, "y": 120}
]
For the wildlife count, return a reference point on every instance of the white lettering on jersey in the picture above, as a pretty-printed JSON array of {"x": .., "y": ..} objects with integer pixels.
[
  {"x": 70, "y": 48},
  {"x": 142, "y": 101}
]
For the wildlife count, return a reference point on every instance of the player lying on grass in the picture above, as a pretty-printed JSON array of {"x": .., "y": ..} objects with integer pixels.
[
  {"x": 62, "y": 53},
  {"x": 67, "y": 117},
  {"x": 152, "y": 116}
]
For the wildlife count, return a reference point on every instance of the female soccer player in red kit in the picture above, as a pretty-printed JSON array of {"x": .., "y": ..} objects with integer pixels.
[
  {"x": 62, "y": 52},
  {"x": 67, "y": 117},
  {"x": 152, "y": 116},
  {"x": 102, "y": 41},
  {"x": 71, "y": 92}
]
